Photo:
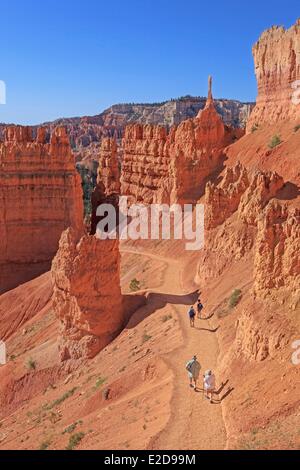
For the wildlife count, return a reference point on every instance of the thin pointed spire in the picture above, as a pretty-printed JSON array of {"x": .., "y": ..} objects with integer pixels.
[{"x": 209, "y": 96}]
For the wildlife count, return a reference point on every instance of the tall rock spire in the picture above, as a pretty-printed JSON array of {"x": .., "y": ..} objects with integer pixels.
[
  {"x": 209, "y": 101},
  {"x": 209, "y": 95}
]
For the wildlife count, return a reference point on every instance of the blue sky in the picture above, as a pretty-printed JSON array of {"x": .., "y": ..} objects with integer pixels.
[{"x": 71, "y": 57}]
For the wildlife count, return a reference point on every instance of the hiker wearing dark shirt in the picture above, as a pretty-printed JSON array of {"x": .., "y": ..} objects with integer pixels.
[
  {"x": 199, "y": 308},
  {"x": 192, "y": 315}
]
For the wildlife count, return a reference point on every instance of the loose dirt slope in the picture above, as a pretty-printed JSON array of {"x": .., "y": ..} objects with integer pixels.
[{"x": 134, "y": 394}]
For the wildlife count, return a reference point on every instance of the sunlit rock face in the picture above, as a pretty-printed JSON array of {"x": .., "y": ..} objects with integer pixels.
[
  {"x": 40, "y": 196},
  {"x": 277, "y": 67}
]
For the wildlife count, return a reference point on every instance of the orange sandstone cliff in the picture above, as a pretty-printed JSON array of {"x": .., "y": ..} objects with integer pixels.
[
  {"x": 272, "y": 139},
  {"x": 167, "y": 167},
  {"x": 277, "y": 67},
  {"x": 40, "y": 196}
]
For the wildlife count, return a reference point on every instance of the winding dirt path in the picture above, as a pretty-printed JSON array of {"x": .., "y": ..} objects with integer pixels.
[{"x": 194, "y": 423}]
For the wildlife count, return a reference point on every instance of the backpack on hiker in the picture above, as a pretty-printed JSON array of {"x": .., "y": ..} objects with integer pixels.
[{"x": 192, "y": 312}]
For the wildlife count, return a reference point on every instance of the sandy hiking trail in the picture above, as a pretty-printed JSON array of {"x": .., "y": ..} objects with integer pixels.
[{"x": 194, "y": 423}]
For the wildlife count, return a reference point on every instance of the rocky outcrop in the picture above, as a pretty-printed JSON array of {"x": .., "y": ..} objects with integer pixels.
[
  {"x": 277, "y": 260},
  {"x": 87, "y": 295},
  {"x": 262, "y": 188},
  {"x": 108, "y": 170},
  {"x": 86, "y": 133},
  {"x": 146, "y": 168},
  {"x": 240, "y": 190},
  {"x": 167, "y": 167},
  {"x": 260, "y": 336},
  {"x": 107, "y": 189},
  {"x": 223, "y": 200},
  {"x": 233, "y": 209},
  {"x": 277, "y": 68},
  {"x": 40, "y": 194},
  {"x": 86, "y": 275}
]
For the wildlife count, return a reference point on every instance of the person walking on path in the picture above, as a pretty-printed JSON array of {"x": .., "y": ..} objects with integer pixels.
[
  {"x": 192, "y": 315},
  {"x": 209, "y": 382},
  {"x": 199, "y": 308},
  {"x": 193, "y": 368}
]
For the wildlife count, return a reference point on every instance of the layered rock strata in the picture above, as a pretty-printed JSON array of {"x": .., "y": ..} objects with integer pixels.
[
  {"x": 86, "y": 275},
  {"x": 40, "y": 196},
  {"x": 167, "y": 167},
  {"x": 277, "y": 69}
]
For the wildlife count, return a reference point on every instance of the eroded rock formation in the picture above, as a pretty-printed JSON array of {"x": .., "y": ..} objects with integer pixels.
[
  {"x": 87, "y": 295},
  {"x": 86, "y": 133},
  {"x": 243, "y": 190},
  {"x": 277, "y": 68},
  {"x": 277, "y": 254},
  {"x": 146, "y": 168},
  {"x": 223, "y": 200},
  {"x": 107, "y": 189},
  {"x": 234, "y": 210},
  {"x": 40, "y": 196},
  {"x": 161, "y": 167},
  {"x": 86, "y": 275}
]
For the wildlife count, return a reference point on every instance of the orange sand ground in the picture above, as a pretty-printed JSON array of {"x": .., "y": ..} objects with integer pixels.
[{"x": 135, "y": 393}]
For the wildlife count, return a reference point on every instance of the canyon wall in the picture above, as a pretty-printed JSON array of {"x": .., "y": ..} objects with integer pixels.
[
  {"x": 167, "y": 167},
  {"x": 40, "y": 196},
  {"x": 233, "y": 210},
  {"x": 107, "y": 189},
  {"x": 277, "y": 258},
  {"x": 87, "y": 295},
  {"x": 251, "y": 255},
  {"x": 86, "y": 133},
  {"x": 146, "y": 168},
  {"x": 277, "y": 68}
]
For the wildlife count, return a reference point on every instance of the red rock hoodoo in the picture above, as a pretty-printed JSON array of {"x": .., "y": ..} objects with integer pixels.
[
  {"x": 162, "y": 167},
  {"x": 86, "y": 275},
  {"x": 40, "y": 194},
  {"x": 87, "y": 295}
]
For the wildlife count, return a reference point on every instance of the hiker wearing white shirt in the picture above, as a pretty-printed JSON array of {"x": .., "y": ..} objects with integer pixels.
[
  {"x": 193, "y": 367},
  {"x": 209, "y": 382}
]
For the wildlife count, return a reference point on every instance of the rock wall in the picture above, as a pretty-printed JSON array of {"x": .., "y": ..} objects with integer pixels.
[
  {"x": 40, "y": 195},
  {"x": 107, "y": 189},
  {"x": 277, "y": 68},
  {"x": 86, "y": 133},
  {"x": 277, "y": 259},
  {"x": 87, "y": 295},
  {"x": 146, "y": 168},
  {"x": 167, "y": 167},
  {"x": 234, "y": 208}
]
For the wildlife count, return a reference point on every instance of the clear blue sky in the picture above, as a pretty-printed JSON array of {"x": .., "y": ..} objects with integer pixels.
[{"x": 74, "y": 57}]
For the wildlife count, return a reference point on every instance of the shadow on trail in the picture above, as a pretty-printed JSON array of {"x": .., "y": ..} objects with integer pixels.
[
  {"x": 216, "y": 401},
  {"x": 226, "y": 394},
  {"x": 156, "y": 301},
  {"x": 222, "y": 386},
  {"x": 213, "y": 330},
  {"x": 207, "y": 318}
]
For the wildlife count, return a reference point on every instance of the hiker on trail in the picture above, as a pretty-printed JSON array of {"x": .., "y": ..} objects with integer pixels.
[
  {"x": 209, "y": 382},
  {"x": 192, "y": 315},
  {"x": 193, "y": 367},
  {"x": 199, "y": 308}
]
